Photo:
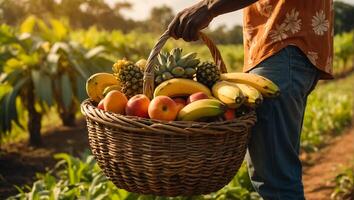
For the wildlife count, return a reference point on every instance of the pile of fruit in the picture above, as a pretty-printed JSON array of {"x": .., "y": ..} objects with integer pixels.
[{"x": 185, "y": 90}]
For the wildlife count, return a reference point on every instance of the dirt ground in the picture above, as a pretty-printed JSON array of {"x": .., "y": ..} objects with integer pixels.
[
  {"x": 324, "y": 165},
  {"x": 19, "y": 163}
]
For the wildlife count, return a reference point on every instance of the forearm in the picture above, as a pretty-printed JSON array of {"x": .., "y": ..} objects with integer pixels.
[{"x": 219, "y": 7}]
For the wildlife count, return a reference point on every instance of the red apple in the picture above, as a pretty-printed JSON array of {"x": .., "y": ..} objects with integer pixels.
[
  {"x": 100, "y": 105},
  {"x": 163, "y": 108},
  {"x": 138, "y": 105},
  {"x": 229, "y": 114},
  {"x": 181, "y": 102},
  {"x": 197, "y": 96}
]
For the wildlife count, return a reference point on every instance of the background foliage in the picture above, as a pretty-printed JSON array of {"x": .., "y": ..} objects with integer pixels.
[{"x": 49, "y": 48}]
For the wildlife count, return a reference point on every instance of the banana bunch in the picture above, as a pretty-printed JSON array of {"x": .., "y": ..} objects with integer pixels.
[
  {"x": 180, "y": 87},
  {"x": 201, "y": 109},
  {"x": 253, "y": 97},
  {"x": 175, "y": 65},
  {"x": 228, "y": 93},
  {"x": 265, "y": 86}
]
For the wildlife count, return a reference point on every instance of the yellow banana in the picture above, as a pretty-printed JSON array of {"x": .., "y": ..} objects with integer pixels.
[
  {"x": 252, "y": 96},
  {"x": 96, "y": 84},
  {"x": 201, "y": 108},
  {"x": 180, "y": 87},
  {"x": 265, "y": 86},
  {"x": 141, "y": 64},
  {"x": 110, "y": 88},
  {"x": 228, "y": 93}
]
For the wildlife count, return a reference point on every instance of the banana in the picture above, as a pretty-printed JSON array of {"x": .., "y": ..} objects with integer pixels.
[
  {"x": 96, "y": 84},
  {"x": 228, "y": 93},
  {"x": 180, "y": 87},
  {"x": 141, "y": 63},
  {"x": 252, "y": 96},
  {"x": 110, "y": 88},
  {"x": 265, "y": 86},
  {"x": 200, "y": 109}
]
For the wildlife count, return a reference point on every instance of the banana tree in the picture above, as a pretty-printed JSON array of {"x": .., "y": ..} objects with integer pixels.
[
  {"x": 71, "y": 65},
  {"x": 30, "y": 85}
]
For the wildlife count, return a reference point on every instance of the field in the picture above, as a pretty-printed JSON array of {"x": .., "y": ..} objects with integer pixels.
[{"x": 43, "y": 71}]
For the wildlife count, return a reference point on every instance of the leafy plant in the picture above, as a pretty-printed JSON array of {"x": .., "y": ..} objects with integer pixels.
[
  {"x": 29, "y": 82},
  {"x": 343, "y": 52},
  {"x": 81, "y": 178},
  {"x": 328, "y": 112},
  {"x": 344, "y": 189}
]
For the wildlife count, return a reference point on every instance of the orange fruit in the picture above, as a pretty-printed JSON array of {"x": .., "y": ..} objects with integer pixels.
[{"x": 115, "y": 101}]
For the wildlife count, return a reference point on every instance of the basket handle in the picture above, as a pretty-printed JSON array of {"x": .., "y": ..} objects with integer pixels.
[{"x": 148, "y": 86}]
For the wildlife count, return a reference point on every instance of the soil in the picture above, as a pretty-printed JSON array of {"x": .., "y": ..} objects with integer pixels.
[
  {"x": 322, "y": 167},
  {"x": 19, "y": 163}
]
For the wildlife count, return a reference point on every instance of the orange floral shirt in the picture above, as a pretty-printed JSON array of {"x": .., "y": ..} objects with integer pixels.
[{"x": 270, "y": 25}]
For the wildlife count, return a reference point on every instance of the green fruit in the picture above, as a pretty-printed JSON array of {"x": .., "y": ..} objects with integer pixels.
[
  {"x": 178, "y": 71},
  {"x": 175, "y": 65},
  {"x": 191, "y": 63},
  {"x": 171, "y": 63},
  {"x": 190, "y": 71},
  {"x": 167, "y": 76}
]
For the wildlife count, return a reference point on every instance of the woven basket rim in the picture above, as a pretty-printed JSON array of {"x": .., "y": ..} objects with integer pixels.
[{"x": 114, "y": 120}]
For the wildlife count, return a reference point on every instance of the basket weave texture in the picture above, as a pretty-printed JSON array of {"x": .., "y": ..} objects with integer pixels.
[{"x": 175, "y": 158}]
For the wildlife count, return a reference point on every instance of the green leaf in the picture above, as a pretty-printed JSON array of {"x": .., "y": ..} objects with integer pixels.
[
  {"x": 79, "y": 68},
  {"x": 59, "y": 29},
  {"x": 70, "y": 169},
  {"x": 7, "y": 35},
  {"x": 95, "y": 52},
  {"x": 66, "y": 91},
  {"x": 9, "y": 106},
  {"x": 11, "y": 77},
  {"x": 12, "y": 64},
  {"x": 80, "y": 88},
  {"x": 43, "y": 87},
  {"x": 27, "y": 26}
]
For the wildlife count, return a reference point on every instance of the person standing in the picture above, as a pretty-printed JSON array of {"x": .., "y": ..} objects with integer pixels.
[{"x": 291, "y": 43}]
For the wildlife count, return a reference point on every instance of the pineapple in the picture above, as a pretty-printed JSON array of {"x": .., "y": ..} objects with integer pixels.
[
  {"x": 175, "y": 65},
  {"x": 130, "y": 76},
  {"x": 208, "y": 74}
]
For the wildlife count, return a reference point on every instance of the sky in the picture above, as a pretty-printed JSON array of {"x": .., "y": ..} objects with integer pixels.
[{"x": 141, "y": 10}]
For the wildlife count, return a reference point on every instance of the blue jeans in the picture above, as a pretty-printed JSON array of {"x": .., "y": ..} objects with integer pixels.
[{"x": 273, "y": 153}]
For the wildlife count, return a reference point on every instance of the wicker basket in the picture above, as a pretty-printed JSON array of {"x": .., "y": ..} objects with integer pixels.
[{"x": 167, "y": 158}]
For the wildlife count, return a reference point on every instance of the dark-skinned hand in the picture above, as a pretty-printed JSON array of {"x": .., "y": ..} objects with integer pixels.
[{"x": 190, "y": 21}]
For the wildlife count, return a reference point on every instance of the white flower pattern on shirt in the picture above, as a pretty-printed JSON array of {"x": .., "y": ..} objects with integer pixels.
[
  {"x": 278, "y": 34},
  {"x": 264, "y": 8},
  {"x": 319, "y": 23},
  {"x": 313, "y": 56},
  {"x": 280, "y": 23},
  {"x": 293, "y": 23},
  {"x": 329, "y": 64}
]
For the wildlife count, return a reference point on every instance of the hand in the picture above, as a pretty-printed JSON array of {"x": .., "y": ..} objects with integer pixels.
[{"x": 190, "y": 21}]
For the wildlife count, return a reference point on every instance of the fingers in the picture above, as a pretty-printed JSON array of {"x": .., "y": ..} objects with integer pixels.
[
  {"x": 173, "y": 26},
  {"x": 182, "y": 26},
  {"x": 190, "y": 32},
  {"x": 188, "y": 22}
]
